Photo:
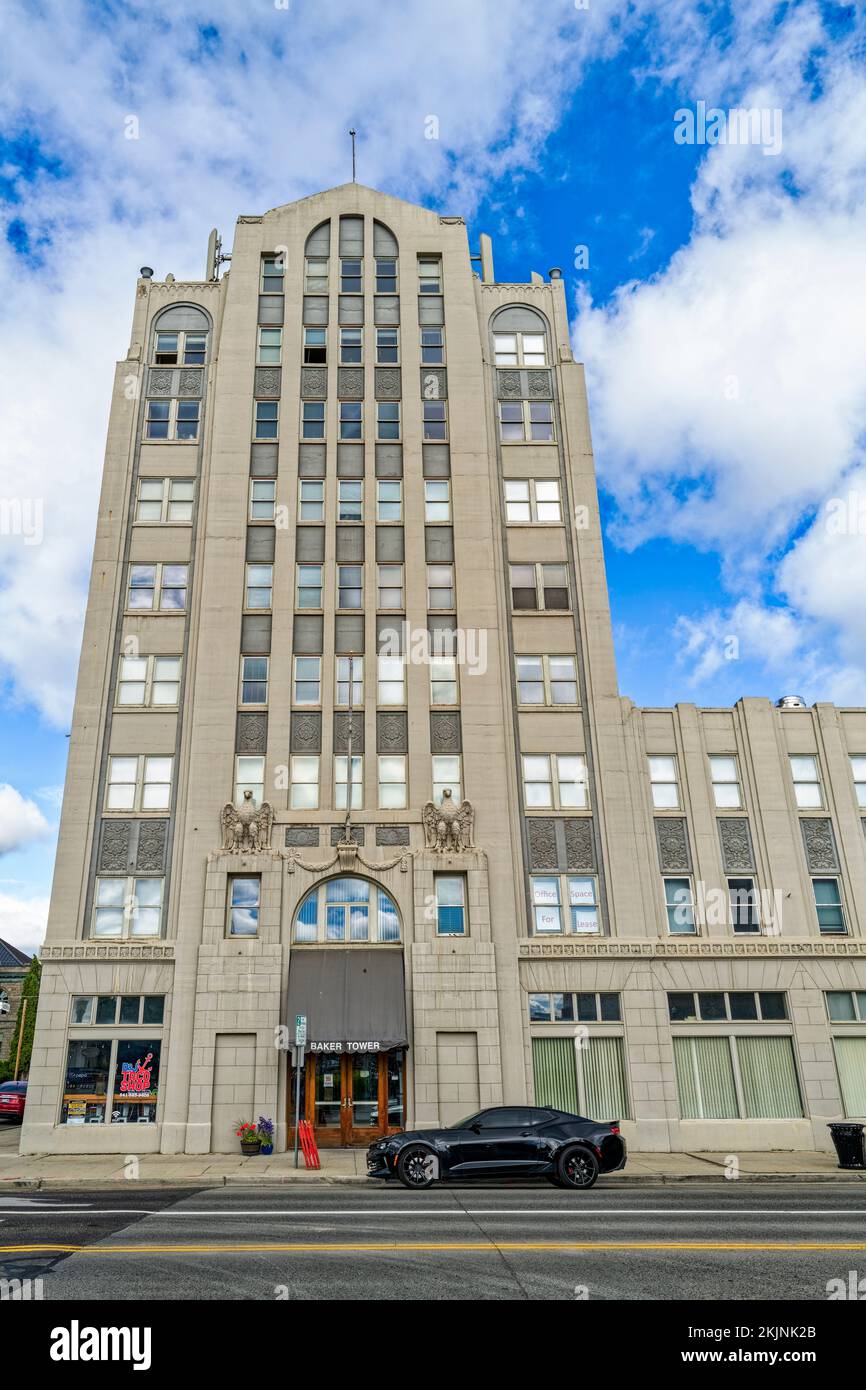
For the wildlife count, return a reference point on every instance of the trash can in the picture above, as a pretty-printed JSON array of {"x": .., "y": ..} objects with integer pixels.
[{"x": 849, "y": 1145}]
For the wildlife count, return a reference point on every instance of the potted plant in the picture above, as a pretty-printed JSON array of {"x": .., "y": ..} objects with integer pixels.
[
  {"x": 249, "y": 1137},
  {"x": 266, "y": 1134}
]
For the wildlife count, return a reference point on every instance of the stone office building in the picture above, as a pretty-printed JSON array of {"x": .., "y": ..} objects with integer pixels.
[{"x": 348, "y": 743}]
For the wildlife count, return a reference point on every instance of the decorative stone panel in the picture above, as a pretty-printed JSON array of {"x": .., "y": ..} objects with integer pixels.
[
  {"x": 159, "y": 382},
  {"x": 579, "y": 844},
  {"x": 388, "y": 384},
  {"x": 820, "y": 844},
  {"x": 128, "y": 846},
  {"x": 114, "y": 847},
  {"x": 268, "y": 380},
  {"x": 392, "y": 732},
  {"x": 392, "y": 834},
  {"x": 251, "y": 733},
  {"x": 152, "y": 842},
  {"x": 534, "y": 385},
  {"x": 434, "y": 384},
  {"x": 302, "y": 836},
  {"x": 341, "y": 732},
  {"x": 314, "y": 383},
  {"x": 672, "y": 837},
  {"x": 538, "y": 385},
  {"x": 191, "y": 383},
  {"x": 738, "y": 856},
  {"x": 445, "y": 734},
  {"x": 306, "y": 732},
  {"x": 543, "y": 852},
  {"x": 350, "y": 383},
  {"x": 357, "y": 834},
  {"x": 508, "y": 385}
]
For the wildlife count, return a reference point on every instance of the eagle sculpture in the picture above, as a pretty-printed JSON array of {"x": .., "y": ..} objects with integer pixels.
[
  {"x": 246, "y": 828},
  {"x": 448, "y": 827}
]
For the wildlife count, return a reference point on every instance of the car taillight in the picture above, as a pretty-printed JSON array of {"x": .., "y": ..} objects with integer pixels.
[{"x": 614, "y": 1129}]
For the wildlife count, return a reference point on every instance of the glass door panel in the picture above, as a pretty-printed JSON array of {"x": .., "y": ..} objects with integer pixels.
[
  {"x": 328, "y": 1091},
  {"x": 394, "y": 1065},
  {"x": 365, "y": 1092}
]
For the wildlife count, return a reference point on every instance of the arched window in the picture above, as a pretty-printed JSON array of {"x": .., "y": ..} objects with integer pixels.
[
  {"x": 346, "y": 910},
  {"x": 4, "y": 1002},
  {"x": 519, "y": 338}
]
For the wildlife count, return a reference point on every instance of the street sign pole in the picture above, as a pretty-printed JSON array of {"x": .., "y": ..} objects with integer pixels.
[{"x": 300, "y": 1047}]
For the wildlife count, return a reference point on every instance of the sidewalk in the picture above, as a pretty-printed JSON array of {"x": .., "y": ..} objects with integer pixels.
[{"x": 349, "y": 1166}]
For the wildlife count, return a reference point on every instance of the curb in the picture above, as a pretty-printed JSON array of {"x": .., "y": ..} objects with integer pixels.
[{"x": 356, "y": 1180}]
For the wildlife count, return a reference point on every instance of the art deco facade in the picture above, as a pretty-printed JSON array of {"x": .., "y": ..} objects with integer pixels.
[{"x": 349, "y": 540}]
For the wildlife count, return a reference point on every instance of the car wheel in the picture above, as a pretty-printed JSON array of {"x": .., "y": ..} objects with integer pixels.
[
  {"x": 577, "y": 1167},
  {"x": 416, "y": 1167}
]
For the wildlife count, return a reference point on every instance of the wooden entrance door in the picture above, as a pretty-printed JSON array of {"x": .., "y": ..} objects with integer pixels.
[{"x": 352, "y": 1099}]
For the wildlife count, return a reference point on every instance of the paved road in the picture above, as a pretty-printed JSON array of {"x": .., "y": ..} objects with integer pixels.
[{"x": 722, "y": 1240}]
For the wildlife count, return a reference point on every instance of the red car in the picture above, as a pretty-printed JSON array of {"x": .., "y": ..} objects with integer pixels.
[{"x": 13, "y": 1098}]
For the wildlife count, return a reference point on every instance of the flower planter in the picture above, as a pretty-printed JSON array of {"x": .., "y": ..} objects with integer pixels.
[
  {"x": 250, "y": 1147},
  {"x": 267, "y": 1148}
]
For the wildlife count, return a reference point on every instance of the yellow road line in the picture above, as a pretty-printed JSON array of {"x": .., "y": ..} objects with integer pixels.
[{"x": 386, "y": 1246}]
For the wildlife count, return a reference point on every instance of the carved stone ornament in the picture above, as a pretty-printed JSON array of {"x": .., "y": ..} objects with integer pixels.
[
  {"x": 314, "y": 383},
  {"x": 191, "y": 383},
  {"x": 348, "y": 855},
  {"x": 820, "y": 844},
  {"x": 736, "y": 840},
  {"x": 508, "y": 385},
  {"x": 539, "y": 385},
  {"x": 448, "y": 828},
  {"x": 673, "y": 844},
  {"x": 159, "y": 383},
  {"x": 245, "y": 829}
]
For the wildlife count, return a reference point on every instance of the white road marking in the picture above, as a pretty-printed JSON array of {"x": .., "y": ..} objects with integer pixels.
[{"x": 454, "y": 1211}]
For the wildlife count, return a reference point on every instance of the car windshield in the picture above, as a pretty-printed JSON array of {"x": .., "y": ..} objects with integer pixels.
[{"x": 16, "y": 1086}]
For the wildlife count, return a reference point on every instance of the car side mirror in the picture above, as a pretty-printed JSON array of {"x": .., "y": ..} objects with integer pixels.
[{"x": 476, "y": 1129}]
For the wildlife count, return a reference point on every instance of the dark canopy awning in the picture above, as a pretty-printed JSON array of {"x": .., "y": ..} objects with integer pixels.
[{"x": 354, "y": 999}]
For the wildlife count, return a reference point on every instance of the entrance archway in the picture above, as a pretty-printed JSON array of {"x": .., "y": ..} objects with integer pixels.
[{"x": 346, "y": 977}]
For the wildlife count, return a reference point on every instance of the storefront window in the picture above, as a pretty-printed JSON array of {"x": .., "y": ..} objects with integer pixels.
[
  {"x": 136, "y": 1077},
  {"x": 86, "y": 1089}
]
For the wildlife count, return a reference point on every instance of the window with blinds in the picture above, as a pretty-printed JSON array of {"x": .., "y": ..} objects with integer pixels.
[
  {"x": 585, "y": 1076},
  {"x": 737, "y": 1078}
]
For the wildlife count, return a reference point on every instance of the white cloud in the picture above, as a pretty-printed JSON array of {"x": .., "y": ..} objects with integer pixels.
[
  {"x": 20, "y": 820},
  {"x": 23, "y": 921},
  {"x": 728, "y": 392}
]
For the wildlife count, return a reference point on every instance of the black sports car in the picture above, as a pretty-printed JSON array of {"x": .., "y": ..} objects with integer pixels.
[{"x": 508, "y": 1141}]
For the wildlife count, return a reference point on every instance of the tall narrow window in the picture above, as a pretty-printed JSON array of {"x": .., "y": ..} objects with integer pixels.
[
  {"x": 270, "y": 346},
  {"x": 341, "y": 778},
  {"x": 254, "y": 680},
  {"x": 726, "y": 783},
  {"x": 663, "y": 781},
  {"x": 679, "y": 903},
  {"x": 392, "y": 782},
  {"x": 807, "y": 782},
  {"x": 391, "y": 683},
  {"x": 304, "y": 789},
  {"x": 307, "y": 687},
  {"x": 315, "y": 347}
]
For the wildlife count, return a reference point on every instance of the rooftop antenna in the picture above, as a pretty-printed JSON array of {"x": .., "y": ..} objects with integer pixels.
[{"x": 353, "y": 132}]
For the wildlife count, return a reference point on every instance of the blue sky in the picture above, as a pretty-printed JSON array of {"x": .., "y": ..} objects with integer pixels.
[{"x": 721, "y": 316}]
